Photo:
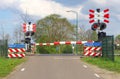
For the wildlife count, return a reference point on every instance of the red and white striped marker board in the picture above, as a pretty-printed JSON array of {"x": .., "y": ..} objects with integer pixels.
[
  {"x": 13, "y": 52},
  {"x": 93, "y": 48},
  {"x": 16, "y": 50},
  {"x": 93, "y": 51},
  {"x": 16, "y": 55}
]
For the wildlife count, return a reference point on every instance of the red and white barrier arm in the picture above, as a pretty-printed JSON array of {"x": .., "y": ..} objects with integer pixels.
[{"x": 63, "y": 42}]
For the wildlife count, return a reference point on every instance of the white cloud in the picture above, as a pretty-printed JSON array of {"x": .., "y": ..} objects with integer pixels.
[
  {"x": 43, "y": 8},
  {"x": 7, "y": 3},
  {"x": 103, "y": 2}
]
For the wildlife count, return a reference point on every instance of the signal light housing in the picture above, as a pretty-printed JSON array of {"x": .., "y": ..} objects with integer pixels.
[
  {"x": 101, "y": 35},
  {"x": 29, "y": 33},
  {"x": 102, "y": 26},
  {"x": 94, "y": 26}
]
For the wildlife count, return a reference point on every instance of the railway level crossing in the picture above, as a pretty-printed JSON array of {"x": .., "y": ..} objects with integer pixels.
[
  {"x": 98, "y": 19},
  {"x": 91, "y": 48}
]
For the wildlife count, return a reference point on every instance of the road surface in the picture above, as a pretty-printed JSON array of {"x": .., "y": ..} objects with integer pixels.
[{"x": 54, "y": 67}]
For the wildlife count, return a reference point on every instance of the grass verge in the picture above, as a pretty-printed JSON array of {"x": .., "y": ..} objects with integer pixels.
[
  {"x": 8, "y": 65},
  {"x": 104, "y": 63}
]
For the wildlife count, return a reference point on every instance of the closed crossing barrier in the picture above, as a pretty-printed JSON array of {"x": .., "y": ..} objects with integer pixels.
[
  {"x": 91, "y": 48},
  {"x": 62, "y": 43}
]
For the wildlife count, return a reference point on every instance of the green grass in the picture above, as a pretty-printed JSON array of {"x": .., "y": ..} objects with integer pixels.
[
  {"x": 104, "y": 63},
  {"x": 117, "y": 51},
  {"x": 8, "y": 65}
]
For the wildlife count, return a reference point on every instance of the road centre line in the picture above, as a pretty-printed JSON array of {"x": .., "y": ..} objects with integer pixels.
[
  {"x": 97, "y": 75},
  {"x": 84, "y": 66},
  {"x": 23, "y": 69}
]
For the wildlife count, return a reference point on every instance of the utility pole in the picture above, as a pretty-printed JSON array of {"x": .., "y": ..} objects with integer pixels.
[{"x": 77, "y": 24}]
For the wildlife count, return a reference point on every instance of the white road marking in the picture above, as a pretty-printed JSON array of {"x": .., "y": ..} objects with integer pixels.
[
  {"x": 97, "y": 75},
  {"x": 84, "y": 66},
  {"x": 23, "y": 69}
]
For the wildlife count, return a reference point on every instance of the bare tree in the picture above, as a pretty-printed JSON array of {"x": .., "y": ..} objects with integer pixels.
[
  {"x": 87, "y": 34},
  {"x": 82, "y": 33},
  {"x": 3, "y": 35},
  {"x": 18, "y": 35}
]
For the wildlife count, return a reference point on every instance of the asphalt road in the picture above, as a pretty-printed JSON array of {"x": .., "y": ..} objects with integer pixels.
[{"x": 54, "y": 67}]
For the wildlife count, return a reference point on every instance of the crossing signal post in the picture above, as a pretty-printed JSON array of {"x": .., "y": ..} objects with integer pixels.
[
  {"x": 98, "y": 19},
  {"x": 29, "y": 29},
  {"x": 27, "y": 44}
]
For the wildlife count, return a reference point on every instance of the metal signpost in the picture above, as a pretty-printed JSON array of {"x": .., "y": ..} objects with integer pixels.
[{"x": 77, "y": 24}]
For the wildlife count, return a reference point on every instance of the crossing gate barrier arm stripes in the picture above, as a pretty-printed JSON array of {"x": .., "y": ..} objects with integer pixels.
[
  {"x": 88, "y": 50},
  {"x": 62, "y": 43}
]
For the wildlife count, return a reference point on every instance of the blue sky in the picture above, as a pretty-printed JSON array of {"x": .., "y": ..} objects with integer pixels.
[{"x": 11, "y": 10}]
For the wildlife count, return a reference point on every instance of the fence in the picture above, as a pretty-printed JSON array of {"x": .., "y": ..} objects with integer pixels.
[
  {"x": 3, "y": 48},
  {"x": 108, "y": 47}
]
